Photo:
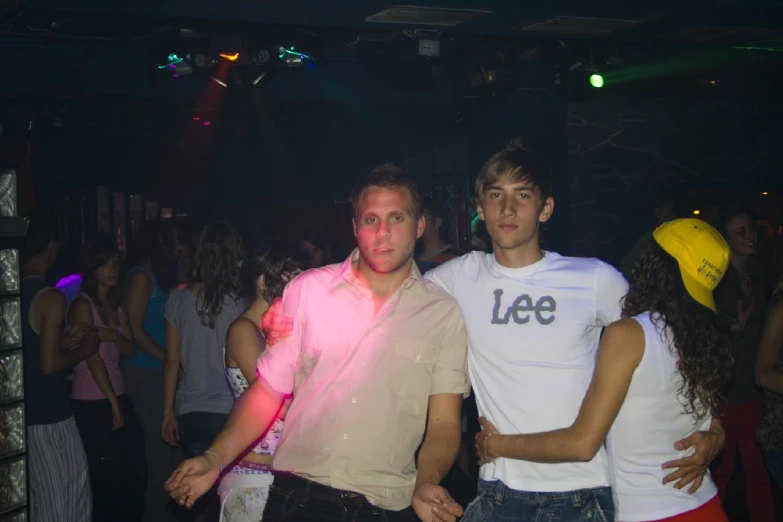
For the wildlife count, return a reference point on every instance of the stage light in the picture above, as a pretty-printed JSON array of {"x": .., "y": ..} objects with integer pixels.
[
  {"x": 597, "y": 81},
  {"x": 293, "y": 58},
  {"x": 204, "y": 60},
  {"x": 261, "y": 57},
  {"x": 180, "y": 68},
  {"x": 765, "y": 193},
  {"x": 696, "y": 212},
  {"x": 260, "y": 77},
  {"x": 230, "y": 57},
  {"x": 173, "y": 59},
  {"x": 219, "y": 82}
]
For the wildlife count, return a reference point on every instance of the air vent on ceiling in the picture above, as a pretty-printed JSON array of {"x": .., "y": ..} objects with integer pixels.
[
  {"x": 578, "y": 27},
  {"x": 720, "y": 34},
  {"x": 415, "y": 15}
]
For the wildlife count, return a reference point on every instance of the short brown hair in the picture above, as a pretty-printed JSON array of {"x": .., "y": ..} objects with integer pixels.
[
  {"x": 387, "y": 176},
  {"x": 516, "y": 163}
]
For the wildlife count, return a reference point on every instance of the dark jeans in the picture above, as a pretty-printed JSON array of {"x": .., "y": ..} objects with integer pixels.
[
  {"x": 197, "y": 431},
  {"x": 294, "y": 499},
  {"x": 774, "y": 462},
  {"x": 497, "y": 503},
  {"x": 118, "y": 468}
]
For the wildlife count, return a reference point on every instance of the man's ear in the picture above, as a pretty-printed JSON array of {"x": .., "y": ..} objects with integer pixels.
[{"x": 546, "y": 210}]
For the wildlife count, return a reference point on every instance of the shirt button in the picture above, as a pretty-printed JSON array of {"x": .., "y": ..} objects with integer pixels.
[
  {"x": 353, "y": 400},
  {"x": 345, "y": 436},
  {"x": 418, "y": 357}
]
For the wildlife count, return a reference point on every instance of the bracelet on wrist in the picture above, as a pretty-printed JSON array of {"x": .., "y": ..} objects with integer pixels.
[
  {"x": 486, "y": 443},
  {"x": 217, "y": 459}
]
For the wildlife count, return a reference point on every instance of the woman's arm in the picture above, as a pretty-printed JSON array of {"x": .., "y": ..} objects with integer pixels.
[
  {"x": 621, "y": 351},
  {"x": 767, "y": 373},
  {"x": 137, "y": 296},
  {"x": 244, "y": 346},
  {"x": 170, "y": 368},
  {"x": 170, "y": 376},
  {"x": 125, "y": 343}
]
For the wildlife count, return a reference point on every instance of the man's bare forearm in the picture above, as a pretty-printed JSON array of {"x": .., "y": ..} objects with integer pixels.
[
  {"x": 438, "y": 453},
  {"x": 251, "y": 416}
]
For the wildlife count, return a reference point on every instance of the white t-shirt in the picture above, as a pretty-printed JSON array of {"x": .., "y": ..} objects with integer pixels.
[
  {"x": 642, "y": 437},
  {"x": 533, "y": 334}
]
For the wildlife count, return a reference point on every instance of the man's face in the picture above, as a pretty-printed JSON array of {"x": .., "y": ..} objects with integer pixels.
[
  {"x": 386, "y": 229},
  {"x": 512, "y": 211}
]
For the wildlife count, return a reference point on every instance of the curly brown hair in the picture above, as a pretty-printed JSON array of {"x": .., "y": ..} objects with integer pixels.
[
  {"x": 701, "y": 343},
  {"x": 217, "y": 265}
]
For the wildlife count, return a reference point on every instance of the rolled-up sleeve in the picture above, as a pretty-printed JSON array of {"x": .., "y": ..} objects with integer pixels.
[
  {"x": 451, "y": 369},
  {"x": 279, "y": 363}
]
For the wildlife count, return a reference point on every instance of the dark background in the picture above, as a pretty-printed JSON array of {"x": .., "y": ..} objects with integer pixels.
[{"x": 683, "y": 111}]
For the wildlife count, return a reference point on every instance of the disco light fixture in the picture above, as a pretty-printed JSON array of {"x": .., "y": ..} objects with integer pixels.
[
  {"x": 596, "y": 80},
  {"x": 293, "y": 58},
  {"x": 173, "y": 59}
]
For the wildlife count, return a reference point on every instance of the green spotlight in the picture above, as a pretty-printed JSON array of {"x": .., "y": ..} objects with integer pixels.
[{"x": 597, "y": 81}]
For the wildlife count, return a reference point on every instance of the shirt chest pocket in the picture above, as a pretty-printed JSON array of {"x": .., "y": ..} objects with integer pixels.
[{"x": 413, "y": 364}]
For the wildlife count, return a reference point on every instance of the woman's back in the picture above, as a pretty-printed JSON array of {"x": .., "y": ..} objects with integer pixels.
[
  {"x": 202, "y": 386},
  {"x": 642, "y": 437}
]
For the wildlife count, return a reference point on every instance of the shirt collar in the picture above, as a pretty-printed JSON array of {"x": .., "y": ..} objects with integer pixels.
[{"x": 345, "y": 274}]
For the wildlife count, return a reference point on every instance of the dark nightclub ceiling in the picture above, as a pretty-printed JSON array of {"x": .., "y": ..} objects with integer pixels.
[
  {"x": 734, "y": 22},
  {"x": 640, "y": 42}
]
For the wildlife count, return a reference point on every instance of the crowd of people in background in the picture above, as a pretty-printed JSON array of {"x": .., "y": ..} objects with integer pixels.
[{"x": 150, "y": 368}]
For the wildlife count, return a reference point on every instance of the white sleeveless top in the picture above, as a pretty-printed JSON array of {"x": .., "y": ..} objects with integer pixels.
[
  {"x": 642, "y": 438},
  {"x": 268, "y": 444}
]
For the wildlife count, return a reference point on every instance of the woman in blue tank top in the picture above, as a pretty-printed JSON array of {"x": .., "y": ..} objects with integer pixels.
[{"x": 152, "y": 261}]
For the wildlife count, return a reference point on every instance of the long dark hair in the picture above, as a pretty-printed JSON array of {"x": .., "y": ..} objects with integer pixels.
[
  {"x": 273, "y": 260},
  {"x": 155, "y": 243},
  {"x": 218, "y": 256},
  {"x": 98, "y": 253},
  {"x": 701, "y": 344}
]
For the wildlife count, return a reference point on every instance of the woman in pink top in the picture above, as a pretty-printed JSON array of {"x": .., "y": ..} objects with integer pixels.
[{"x": 112, "y": 436}]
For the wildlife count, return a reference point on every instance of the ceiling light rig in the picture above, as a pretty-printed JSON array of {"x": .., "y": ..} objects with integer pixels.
[{"x": 248, "y": 67}]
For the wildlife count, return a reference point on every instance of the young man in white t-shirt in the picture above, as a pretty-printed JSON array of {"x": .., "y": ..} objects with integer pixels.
[{"x": 534, "y": 320}]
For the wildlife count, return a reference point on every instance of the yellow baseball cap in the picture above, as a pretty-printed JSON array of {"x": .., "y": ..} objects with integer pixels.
[{"x": 701, "y": 252}]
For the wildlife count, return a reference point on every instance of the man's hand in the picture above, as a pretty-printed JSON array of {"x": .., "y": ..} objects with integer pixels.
[
  {"x": 483, "y": 445},
  {"x": 434, "y": 504},
  {"x": 691, "y": 469},
  {"x": 75, "y": 334},
  {"x": 275, "y": 324},
  {"x": 192, "y": 479}
]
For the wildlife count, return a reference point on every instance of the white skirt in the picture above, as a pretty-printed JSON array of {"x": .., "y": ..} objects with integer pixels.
[{"x": 243, "y": 494}]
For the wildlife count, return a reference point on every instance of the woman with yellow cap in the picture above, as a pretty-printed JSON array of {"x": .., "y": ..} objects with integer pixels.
[{"x": 657, "y": 379}]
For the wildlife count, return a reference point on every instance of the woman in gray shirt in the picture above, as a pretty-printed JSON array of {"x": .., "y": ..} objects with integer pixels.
[{"x": 197, "y": 319}]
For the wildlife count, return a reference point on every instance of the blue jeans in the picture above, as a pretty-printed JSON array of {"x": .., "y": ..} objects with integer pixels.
[{"x": 497, "y": 503}]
